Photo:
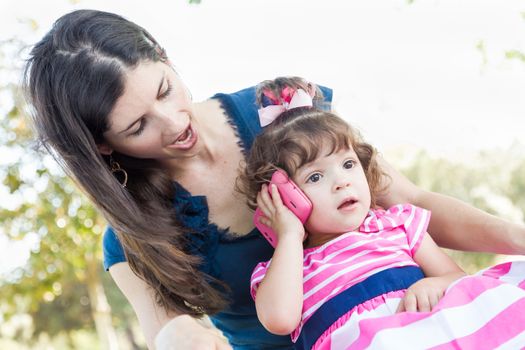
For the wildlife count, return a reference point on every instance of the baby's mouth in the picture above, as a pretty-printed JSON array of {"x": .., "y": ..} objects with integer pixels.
[{"x": 347, "y": 203}]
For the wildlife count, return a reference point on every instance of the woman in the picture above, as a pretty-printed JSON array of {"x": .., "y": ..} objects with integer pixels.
[{"x": 162, "y": 171}]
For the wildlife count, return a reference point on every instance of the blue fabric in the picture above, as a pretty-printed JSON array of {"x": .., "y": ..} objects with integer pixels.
[
  {"x": 112, "y": 249},
  {"x": 226, "y": 257},
  {"x": 378, "y": 284}
]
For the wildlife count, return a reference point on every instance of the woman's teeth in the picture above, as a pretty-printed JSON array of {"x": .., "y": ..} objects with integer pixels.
[{"x": 187, "y": 136}]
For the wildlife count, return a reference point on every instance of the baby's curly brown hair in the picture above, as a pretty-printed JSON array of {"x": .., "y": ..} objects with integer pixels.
[{"x": 295, "y": 139}]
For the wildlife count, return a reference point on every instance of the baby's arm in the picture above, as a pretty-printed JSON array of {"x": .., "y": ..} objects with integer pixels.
[
  {"x": 440, "y": 271},
  {"x": 279, "y": 298}
]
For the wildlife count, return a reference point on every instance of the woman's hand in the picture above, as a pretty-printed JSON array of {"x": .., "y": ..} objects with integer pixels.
[
  {"x": 424, "y": 295},
  {"x": 277, "y": 215},
  {"x": 185, "y": 332}
]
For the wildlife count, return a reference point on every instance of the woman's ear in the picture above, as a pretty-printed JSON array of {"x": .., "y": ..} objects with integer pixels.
[{"x": 104, "y": 149}]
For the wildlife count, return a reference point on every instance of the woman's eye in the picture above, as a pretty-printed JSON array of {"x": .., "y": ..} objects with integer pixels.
[
  {"x": 314, "y": 177},
  {"x": 140, "y": 129},
  {"x": 167, "y": 92},
  {"x": 349, "y": 164}
]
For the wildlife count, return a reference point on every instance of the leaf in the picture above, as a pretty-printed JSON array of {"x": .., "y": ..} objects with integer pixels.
[
  {"x": 515, "y": 54},
  {"x": 12, "y": 182}
]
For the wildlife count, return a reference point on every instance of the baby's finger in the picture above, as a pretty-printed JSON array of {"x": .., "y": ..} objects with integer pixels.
[
  {"x": 410, "y": 302},
  {"x": 264, "y": 192},
  {"x": 401, "y": 306},
  {"x": 276, "y": 197},
  {"x": 265, "y": 221},
  {"x": 266, "y": 196},
  {"x": 434, "y": 300},
  {"x": 423, "y": 304},
  {"x": 264, "y": 202}
]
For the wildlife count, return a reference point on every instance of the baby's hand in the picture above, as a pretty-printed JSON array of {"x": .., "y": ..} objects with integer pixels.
[
  {"x": 277, "y": 215},
  {"x": 424, "y": 294}
]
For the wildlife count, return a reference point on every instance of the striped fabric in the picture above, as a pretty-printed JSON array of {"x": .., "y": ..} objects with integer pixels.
[
  {"x": 484, "y": 311},
  {"x": 386, "y": 239}
]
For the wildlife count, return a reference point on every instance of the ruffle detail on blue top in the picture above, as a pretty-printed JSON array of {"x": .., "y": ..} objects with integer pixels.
[
  {"x": 241, "y": 111},
  {"x": 204, "y": 238}
]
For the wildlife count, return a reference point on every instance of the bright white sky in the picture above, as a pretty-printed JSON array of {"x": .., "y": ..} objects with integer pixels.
[{"x": 404, "y": 74}]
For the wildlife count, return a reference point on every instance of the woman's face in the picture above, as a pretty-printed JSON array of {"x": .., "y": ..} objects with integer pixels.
[{"x": 154, "y": 116}]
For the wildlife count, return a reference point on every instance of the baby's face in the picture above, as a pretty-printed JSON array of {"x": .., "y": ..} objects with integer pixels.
[{"x": 337, "y": 186}]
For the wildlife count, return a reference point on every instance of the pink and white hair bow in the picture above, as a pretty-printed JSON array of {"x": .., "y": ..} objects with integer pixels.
[{"x": 291, "y": 99}]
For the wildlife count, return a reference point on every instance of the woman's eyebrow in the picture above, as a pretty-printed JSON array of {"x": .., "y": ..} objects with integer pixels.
[{"x": 139, "y": 118}]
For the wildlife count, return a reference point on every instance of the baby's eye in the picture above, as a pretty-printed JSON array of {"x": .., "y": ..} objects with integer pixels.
[
  {"x": 349, "y": 164},
  {"x": 314, "y": 178}
]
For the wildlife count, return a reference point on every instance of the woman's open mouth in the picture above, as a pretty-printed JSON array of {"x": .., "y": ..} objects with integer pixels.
[{"x": 186, "y": 140}]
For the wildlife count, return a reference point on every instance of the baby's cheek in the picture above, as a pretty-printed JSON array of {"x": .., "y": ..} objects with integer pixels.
[{"x": 317, "y": 222}]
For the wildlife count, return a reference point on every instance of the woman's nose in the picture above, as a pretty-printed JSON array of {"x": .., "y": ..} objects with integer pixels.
[
  {"x": 170, "y": 120},
  {"x": 171, "y": 125}
]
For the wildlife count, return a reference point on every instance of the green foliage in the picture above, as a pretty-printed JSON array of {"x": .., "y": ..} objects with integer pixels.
[
  {"x": 66, "y": 259},
  {"x": 516, "y": 188},
  {"x": 56, "y": 286},
  {"x": 515, "y": 54},
  {"x": 43, "y": 204},
  {"x": 491, "y": 181},
  {"x": 480, "y": 46}
]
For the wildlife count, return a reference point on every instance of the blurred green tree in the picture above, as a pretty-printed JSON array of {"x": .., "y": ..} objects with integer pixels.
[
  {"x": 61, "y": 285},
  {"x": 491, "y": 181},
  {"x": 516, "y": 54}
]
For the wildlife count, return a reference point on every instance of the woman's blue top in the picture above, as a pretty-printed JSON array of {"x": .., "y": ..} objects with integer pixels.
[{"x": 226, "y": 257}]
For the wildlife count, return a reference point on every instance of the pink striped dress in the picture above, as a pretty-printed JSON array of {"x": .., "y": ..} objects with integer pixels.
[{"x": 473, "y": 309}]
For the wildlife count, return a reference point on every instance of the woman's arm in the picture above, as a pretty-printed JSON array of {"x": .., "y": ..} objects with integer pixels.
[
  {"x": 455, "y": 224},
  {"x": 165, "y": 330}
]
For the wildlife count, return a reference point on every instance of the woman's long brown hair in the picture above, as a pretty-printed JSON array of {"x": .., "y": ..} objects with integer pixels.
[{"x": 74, "y": 77}]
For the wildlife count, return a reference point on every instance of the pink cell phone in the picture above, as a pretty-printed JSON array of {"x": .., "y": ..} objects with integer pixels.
[{"x": 292, "y": 197}]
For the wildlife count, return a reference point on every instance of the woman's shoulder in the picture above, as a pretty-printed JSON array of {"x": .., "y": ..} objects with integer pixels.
[
  {"x": 240, "y": 104},
  {"x": 241, "y": 110},
  {"x": 112, "y": 248},
  {"x": 243, "y": 103},
  {"x": 243, "y": 96}
]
